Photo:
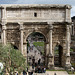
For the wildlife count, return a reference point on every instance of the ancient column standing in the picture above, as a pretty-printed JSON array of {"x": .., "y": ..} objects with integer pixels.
[
  {"x": 4, "y": 25},
  {"x": 50, "y": 55},
  {"x": 50, "y": 39},
  {"x": 68, "y": 64},
  {"x": 21, "y": 36},
  {"x": 68, "y": 39},
  {"x": 4, "y": 34}
]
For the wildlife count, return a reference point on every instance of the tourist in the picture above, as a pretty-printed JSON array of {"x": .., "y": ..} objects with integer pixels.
[
  {"x": 31, "y": 73},
  {"x": 24, "y": 73},
  {"x": 11, "y": 73},
  {"x": 54, "y": 73},
  {"x": 44, "y": 69},
  {"x": 33, "y": 66},
  {"x": 39, "y": 61},
  {"x": 33, "y": 62},
  {"x": 17, "y": 73}
]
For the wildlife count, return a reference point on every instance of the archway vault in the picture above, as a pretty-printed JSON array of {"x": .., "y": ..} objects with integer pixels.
[
  {"x": 46, "y": 40},
  {"x": 34, "y": 51}
]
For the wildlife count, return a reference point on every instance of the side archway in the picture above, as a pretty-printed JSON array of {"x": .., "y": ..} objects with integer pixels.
[{"x": 58, "y": 54}]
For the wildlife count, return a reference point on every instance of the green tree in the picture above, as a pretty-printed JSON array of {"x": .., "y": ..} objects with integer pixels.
[{"x": 13, "y": 59}]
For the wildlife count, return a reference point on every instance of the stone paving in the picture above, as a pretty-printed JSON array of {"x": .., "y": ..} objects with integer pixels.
[{"x": 52, "y": 73}]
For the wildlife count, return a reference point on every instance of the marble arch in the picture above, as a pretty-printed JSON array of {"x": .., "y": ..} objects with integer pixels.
[{"x": 52, "y": 20}]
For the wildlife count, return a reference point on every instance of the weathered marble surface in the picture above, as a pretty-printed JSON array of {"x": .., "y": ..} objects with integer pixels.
[{"x": 51, "y": 21}]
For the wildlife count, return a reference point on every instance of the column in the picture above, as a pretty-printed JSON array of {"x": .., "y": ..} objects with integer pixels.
[
  {"x": 68, "y": 40},
  {"x": 25, "y": 49},
  {"x": 47, "y": 53},
  {"x": 50, "y": 56},
  {"x": 25, "y": 52},
  {"x": 4, "y": 34},
  {"x": 50, "y": 40},
  {"x": 67, "y": 60},
  {"x": 4, "y": 25},
  {"x": 21, "y": 37}
]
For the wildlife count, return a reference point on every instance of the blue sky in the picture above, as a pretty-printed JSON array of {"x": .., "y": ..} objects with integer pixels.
[{"x": 71, "y": 2}]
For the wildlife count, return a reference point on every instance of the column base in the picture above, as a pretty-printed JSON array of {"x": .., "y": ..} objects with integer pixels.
[
  {"x": 50, "y": 66},
  {"x": 68, "y": 66},
  {"x": 67, "y": 62},
  {"x": 50, "y": 62}
]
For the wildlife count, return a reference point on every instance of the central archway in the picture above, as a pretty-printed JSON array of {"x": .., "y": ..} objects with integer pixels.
[{"x": 36, "y": 50}]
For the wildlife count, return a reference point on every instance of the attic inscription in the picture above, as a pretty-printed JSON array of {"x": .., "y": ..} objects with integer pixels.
[{"x": 52, "y": 14}]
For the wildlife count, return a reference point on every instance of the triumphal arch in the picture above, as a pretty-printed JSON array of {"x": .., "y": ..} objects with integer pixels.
[{"x": 53, "y": 21}]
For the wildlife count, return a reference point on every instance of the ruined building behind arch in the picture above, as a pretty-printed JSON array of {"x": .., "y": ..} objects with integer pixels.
[{"x": 53, "y": 21}]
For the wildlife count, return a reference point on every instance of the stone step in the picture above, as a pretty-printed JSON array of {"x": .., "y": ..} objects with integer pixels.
[
  {"x": 59, "y": 68},
  {"x": 52, "y": 73}
]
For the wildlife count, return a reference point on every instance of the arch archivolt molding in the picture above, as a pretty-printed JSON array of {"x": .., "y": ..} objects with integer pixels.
[
  {"x": 57, "y": 43},
  {"x": 27, "y": 33}
]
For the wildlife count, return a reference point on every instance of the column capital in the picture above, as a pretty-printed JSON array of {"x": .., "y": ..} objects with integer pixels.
[
  {"x": 4, "y": 23},
  {"x": 21, "y": 25},
  {"x": 50, "y": 26},
  {"x": 68, "y": 27},
  {"x": 4, "y": 27}
]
